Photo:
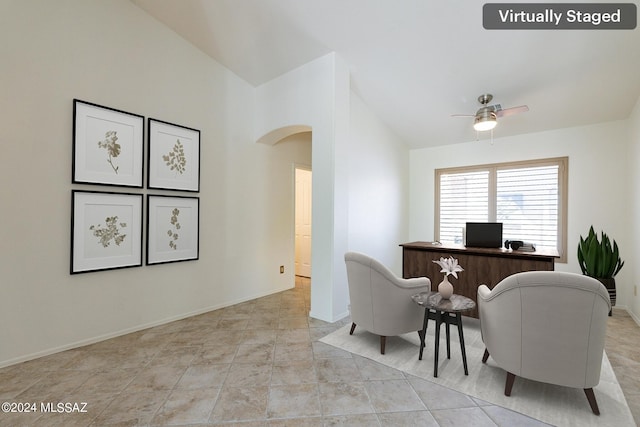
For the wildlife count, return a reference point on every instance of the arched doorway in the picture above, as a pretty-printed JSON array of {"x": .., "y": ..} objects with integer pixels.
[{"x": 302, "y": 198}]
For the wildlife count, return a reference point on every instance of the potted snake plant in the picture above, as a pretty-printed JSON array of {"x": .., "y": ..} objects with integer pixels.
[{"x": 601, "y": 260}]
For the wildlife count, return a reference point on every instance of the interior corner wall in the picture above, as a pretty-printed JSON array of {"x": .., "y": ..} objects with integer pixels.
[
  {"x": 114, "y": 54},
  {"x": 378, "y": 188},
  {"x": 598, "y": 183},
  {"x": 632, "y": 264},
  {"x": 312, "y": 95}
]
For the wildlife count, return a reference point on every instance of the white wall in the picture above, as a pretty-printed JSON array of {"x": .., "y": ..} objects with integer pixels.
[
  {"x": 598, "y": 183},
  {"x": 316, "y": 95},
  {"x": 360, "y": 174},
  {"x": 633, "y": 205},
  {"x": 378, "y": 188},
  {"x": 114, "y": 54}
]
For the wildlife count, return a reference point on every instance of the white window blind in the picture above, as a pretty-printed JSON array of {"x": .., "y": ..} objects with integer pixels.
[
  {"x": 463, "y": 198},
  {"x": 529, "y": 198},
  {"x": 527, "y": 204}
]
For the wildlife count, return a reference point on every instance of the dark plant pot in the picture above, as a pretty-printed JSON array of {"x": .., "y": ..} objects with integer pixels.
[{"x": 610, "y": 284}]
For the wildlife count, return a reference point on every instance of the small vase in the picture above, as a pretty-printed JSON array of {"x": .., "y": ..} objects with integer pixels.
[{"x": 445, "y": 288}]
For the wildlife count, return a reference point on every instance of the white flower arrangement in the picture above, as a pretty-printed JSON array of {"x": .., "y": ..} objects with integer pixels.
[{"x": 449, "y": 266}]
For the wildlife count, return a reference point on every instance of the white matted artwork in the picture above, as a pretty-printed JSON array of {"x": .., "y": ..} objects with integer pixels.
[
  {"x": 174, "y": 157},
  {"x": 106, "y": 231},
  {"x": 107, "y": 145},
  {"x": 173, "y": 224}
]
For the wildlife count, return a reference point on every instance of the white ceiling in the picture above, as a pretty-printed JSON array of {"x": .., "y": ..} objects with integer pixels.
[{"x": 416, "y": 62}]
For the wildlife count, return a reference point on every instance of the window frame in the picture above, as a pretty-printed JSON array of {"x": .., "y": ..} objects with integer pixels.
[{"x": 492, "y": 168}]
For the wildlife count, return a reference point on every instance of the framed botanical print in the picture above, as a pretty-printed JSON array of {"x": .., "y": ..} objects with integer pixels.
[
  {"x": 107, "y": 146},
  {"x": 106, "y": 231},
  {"x": 174, "y": 157},
  {"x": 173, "y": 227}
]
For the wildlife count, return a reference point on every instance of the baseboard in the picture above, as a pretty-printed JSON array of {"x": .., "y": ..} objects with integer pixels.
[
  {"x": 633, "y": 316},
  {"x": 342, "y": 316},
  {"x": 335, "y": 318},
  {"x": 93, "y": 340},
  {"x": 629, "y": 312}
]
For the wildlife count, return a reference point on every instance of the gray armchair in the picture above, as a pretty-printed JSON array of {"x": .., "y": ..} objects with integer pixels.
[
  {"x": 381, "y": 302},
  {"x": 546, "y": 326}
]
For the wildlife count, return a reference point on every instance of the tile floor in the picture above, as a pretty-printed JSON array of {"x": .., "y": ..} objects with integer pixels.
[
  {"x": 623, "y": 349},
  {"x": 257, "y": 363}
]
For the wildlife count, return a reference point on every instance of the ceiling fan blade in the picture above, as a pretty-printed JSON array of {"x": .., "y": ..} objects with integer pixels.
[
  {"x": 512, "y": 110},
  {"x": 463, "y": 115}
]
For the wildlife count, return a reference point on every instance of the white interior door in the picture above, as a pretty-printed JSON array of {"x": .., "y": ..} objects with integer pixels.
[{"x": 303, "y": 222}]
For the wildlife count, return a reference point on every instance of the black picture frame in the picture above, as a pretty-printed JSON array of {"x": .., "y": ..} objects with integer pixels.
[
  {"x": 106, "y": 231},
  {"x": 173, "y": 229},
  {"x": 174, "y": 157},
  {"x": 108, "y": 146}
]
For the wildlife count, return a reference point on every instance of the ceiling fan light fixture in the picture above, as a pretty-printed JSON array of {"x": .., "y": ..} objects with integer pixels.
[{"x": 485, "y": 121}]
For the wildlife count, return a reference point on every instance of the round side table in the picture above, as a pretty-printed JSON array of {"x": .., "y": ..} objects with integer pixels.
[{"x": 447, "y": 311}]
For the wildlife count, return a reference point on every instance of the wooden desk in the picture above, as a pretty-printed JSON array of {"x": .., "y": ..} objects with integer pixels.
[{"x": 481, "y": 265}]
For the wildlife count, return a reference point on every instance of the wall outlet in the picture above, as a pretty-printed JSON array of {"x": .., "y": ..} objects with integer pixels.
[{"x": 282, "y": 269}]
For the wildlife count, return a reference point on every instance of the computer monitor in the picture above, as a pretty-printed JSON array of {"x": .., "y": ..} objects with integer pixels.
[{"x": 484, "y": 234}]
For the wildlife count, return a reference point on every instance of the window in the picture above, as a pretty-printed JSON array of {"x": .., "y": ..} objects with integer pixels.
[{"x": 529, "y": 198}]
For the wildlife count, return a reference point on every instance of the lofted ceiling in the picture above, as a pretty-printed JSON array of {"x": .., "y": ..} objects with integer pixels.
[{"x": 416, "y": 62}]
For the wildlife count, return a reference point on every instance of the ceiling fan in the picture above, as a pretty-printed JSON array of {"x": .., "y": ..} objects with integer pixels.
[{"x": 486, "y": 117}]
